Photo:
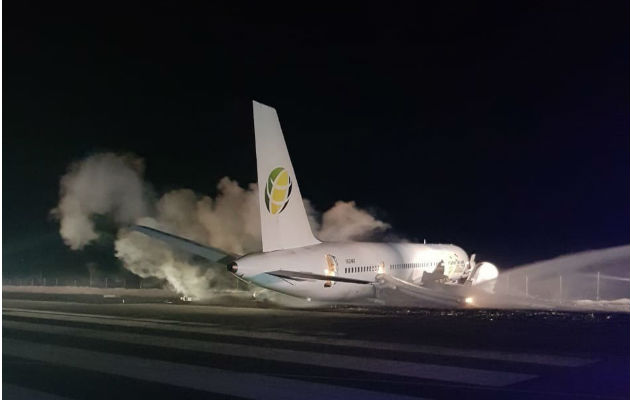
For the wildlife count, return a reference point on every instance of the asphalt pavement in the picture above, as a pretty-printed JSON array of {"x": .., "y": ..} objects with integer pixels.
[{"x": 57, "y": 349}]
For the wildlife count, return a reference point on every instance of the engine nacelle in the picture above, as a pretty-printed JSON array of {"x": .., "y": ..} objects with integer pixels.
[{"x": 485, "y": 273}]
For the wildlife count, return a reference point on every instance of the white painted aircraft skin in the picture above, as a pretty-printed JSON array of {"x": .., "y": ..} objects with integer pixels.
[
  {"x": 295, "y": 262},
  {"x": 289, "y": 244},
  {"x": 356, "y": 260}
]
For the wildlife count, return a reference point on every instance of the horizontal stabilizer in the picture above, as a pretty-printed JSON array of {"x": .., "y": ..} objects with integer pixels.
[
  {"x": 188, "y": 246},
  {"x": 301, "y": 276}
]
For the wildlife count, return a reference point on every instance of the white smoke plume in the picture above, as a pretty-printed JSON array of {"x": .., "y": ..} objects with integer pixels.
[
  {"x": 345, "y": 221},
  {"x": 586, "y": 281},
  {"x": 573, "y": 276},
  {"x": 101, "y": 184},
  {"x": 113, "y": 185}
]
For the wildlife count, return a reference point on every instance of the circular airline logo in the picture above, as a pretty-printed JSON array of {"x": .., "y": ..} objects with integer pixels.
[{"x": 277, "y": 190}]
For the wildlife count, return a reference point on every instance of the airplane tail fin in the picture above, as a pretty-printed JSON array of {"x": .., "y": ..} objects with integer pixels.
[{"x": 283, "y": 217}]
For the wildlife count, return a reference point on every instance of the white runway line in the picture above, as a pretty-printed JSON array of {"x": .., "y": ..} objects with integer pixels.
[
  {"x": 200, "y": 378},
  {"x": 14, "y": 392},
  {"x": 392, "y": 367},
  {"x": 179, "y": 326}
]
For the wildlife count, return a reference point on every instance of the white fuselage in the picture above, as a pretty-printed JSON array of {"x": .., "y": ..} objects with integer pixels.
[{"x": 356, "y": 260}]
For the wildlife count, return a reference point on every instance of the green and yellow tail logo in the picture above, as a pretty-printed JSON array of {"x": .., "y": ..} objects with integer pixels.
[{"x": 278, "y": 190}]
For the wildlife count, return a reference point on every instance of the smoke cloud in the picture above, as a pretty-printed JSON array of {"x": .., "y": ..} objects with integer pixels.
[
  {"x": 345, "y": 221},
  {"x": 113, "y": 185},
  {"x": 101, "y": 184},
  {"x": 593, "y": 274}
]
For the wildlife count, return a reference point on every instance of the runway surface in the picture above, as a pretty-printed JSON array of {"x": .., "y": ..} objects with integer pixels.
[{"x": 57, "y": 350}]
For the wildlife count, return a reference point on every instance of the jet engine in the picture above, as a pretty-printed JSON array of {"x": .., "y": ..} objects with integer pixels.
[{"x": 483, "y": 274}]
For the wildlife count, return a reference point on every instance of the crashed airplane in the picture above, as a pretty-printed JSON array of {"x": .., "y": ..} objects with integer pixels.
[{"x": 294, "y": 262}]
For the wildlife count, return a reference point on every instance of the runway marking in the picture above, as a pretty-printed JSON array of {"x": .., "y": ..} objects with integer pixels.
[
  {"x": 436, "y": 372},
  {"x": 179, "y": 326},
  {"x": 214, "y": 380}
]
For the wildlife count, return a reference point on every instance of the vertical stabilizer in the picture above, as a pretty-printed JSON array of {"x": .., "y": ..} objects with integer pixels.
[{"x": 283, "y": 218}]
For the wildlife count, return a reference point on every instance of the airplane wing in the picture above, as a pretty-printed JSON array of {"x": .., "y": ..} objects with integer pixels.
[
  {"x": 437, "y": 294},
  {"x": 207, "y": 252},
  {"x": 302, "y": 276}
]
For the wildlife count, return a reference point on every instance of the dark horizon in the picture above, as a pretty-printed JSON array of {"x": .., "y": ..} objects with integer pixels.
[{"x": 502, "y": 129}]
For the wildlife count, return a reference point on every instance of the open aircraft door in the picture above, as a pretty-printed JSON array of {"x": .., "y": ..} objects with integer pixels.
[{"x": 331, "y": 268}]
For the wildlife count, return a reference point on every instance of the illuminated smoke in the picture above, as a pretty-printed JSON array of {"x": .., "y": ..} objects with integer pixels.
[
  {"x": 345, "y": 221},
  {"x": 101, "y": 184},
  {"x": 588, "y": 280},
  {"x": 572, "y": 276},
  {"x": 113, "y": 185}
]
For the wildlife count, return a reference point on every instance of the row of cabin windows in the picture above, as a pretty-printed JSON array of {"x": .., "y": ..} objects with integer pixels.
[
  {"x": 374, "y": 268},
  {"x": 413, "y": 265},
  {"x": 366, "y": 268},
  {"x": 422, "y": 265}
]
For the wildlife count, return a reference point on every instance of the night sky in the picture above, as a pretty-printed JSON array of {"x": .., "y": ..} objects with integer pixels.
[{"x": 503, "y": 129}]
